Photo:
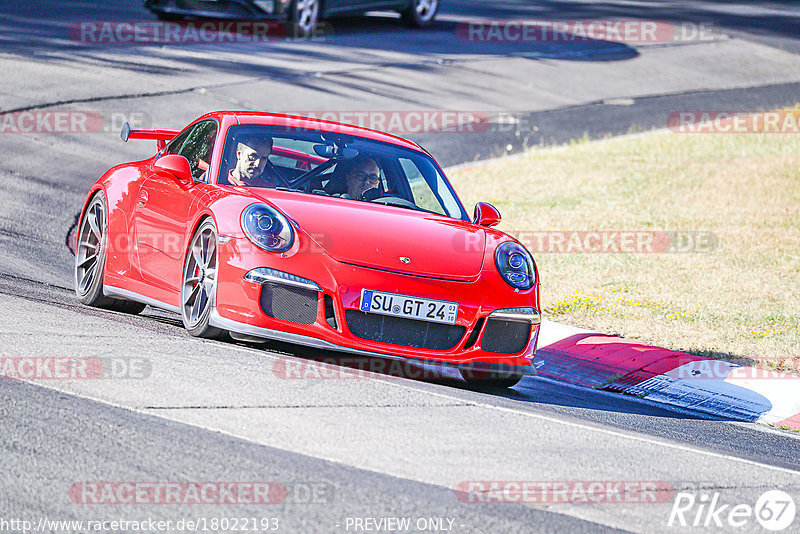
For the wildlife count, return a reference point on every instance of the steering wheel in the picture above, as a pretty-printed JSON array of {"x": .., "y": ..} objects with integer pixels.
[{"x": 395, "y": 201}]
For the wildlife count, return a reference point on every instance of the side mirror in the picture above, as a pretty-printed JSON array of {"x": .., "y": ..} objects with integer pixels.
[
  {"x": 486, "y": 214},
  {"x": 176, "y": 166}
]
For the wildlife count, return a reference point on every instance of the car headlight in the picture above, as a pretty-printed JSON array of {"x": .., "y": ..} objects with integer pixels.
[
  {"x": 267, "y": 228},
  {"x": 515, "y": 265}
]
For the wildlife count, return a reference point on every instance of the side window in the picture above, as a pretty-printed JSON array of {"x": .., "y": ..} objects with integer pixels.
[
  {"x": 198, "y": 147},
  {"x": 423, "y": 196},
  {"x": 289, "y": 163},
  {"x": 175, "y": 145}
]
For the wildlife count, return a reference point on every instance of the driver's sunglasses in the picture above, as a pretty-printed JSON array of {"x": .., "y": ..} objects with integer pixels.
[{"x": 366, "y": 177}]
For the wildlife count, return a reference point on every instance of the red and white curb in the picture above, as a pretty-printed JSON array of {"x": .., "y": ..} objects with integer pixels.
[{"x": 697, "y": 383}]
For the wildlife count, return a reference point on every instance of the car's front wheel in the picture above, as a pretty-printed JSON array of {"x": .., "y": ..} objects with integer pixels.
[
  {"x": 490, "y": 379},
  {"x": 420, "y": 13},
  {"x": 303, "y": 18},
  {"x": 199, "y": 284},
  {"x": 90, "y": 259}
]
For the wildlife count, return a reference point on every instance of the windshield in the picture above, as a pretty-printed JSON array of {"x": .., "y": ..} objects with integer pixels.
[{"x": 337, "y": 165}]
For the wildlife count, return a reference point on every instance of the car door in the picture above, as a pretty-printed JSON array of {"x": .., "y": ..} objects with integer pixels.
[
  {"x": 379, "y": 4},
  {"x": 164, "y": 210},
  {"x": 341, "y": 7}
]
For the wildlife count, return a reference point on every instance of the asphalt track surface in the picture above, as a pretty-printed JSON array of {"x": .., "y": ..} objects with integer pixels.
[{"x": 372, "y": 445}]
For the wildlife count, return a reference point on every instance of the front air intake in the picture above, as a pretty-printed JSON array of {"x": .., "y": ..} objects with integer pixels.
[
  {"x": 288, "y": 303},
  {"x": 401, "y": 331},
  {"x": 505, "y": 337}
]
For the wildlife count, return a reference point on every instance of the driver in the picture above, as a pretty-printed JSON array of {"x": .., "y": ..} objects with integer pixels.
[
  {"x": 360, "y": 175},
  {"x": 251, "y": 159}
]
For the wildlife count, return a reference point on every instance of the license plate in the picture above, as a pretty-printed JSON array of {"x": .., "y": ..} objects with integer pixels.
[{"x": 436, "y": 311}]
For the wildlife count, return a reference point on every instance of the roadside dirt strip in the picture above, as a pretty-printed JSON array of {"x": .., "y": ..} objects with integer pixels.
[{"x": 710, "y": 386}]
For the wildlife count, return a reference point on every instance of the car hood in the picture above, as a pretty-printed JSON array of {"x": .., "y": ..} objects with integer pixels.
[{"x": 384, "y": 237}]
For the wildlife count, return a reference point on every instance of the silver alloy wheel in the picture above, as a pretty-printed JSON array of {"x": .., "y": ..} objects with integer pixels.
[
  {"x": 89, "y": 256},
  {"x": 426, "y": 9},
  {"x": 90, "y": 259},
  {"x": 306, "y": 12},
  {"x": 200, "y": 276}
]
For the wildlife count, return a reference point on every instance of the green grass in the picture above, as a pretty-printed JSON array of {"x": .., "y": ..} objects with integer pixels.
[{"x": 740, "y": 301}]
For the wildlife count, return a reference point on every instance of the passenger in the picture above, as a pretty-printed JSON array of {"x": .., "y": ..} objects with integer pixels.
[
  {"x": 355, "y": 177},
  {"x": 251, "y": 160}
]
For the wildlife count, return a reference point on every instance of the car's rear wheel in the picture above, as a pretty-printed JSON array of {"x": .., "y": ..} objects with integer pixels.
[
  {"x": 199, "y": 283},
  {"x": 490, "y": 379},
  {"x": 90, "y": 259},
  {"x": 303, "y": 18},
  {"x": 420, "y": 13}
]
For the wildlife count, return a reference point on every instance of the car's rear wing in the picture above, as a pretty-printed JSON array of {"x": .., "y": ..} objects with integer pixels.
[{"x": 162, "y": 136}]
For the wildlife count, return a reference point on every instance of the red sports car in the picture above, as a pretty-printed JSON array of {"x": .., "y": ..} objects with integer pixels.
[{"x": 310, "y": 232}]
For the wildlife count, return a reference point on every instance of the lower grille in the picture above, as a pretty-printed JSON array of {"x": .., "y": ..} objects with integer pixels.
[
  {"x": 401, "y": 331},
  {"x": 506, "y": 337},
  {"x": 204, "y": 6},
  {"x": 289, "y": 303}
]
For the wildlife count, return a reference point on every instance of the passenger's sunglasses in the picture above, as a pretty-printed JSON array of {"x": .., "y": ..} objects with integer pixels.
[{"x": 365, "y": 177}]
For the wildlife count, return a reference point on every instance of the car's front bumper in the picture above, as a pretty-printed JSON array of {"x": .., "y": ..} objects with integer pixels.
[
  {"x": 524, "y": 368},
  {"x": 239, "y": 308},
  {"x": 222, "y": 9}
]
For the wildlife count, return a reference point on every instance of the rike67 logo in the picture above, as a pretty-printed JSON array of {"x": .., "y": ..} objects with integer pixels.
[{"x": 774, "y": 510}]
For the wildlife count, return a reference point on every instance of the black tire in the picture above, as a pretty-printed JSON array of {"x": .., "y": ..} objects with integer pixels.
[
  {"x": 303, "y": 18},
  {"x": 420, "y": 13},
  {"x": 90, "y": 260},
  {"x": 199, "y": 283},
  {"x": 490, "y": 379}
]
